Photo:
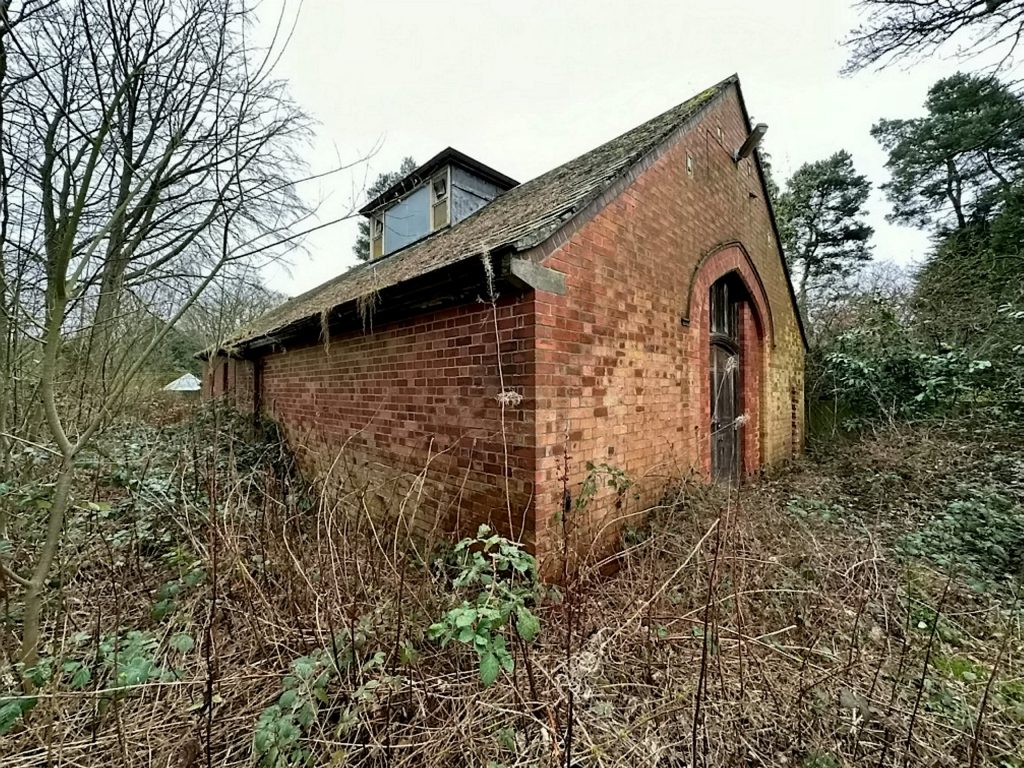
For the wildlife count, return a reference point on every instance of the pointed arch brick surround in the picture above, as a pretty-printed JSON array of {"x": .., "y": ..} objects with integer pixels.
[{"x": 756, "y": 336}]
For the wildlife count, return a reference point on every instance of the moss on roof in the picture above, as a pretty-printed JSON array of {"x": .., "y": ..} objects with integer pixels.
[{"x": 519, "y": 219}]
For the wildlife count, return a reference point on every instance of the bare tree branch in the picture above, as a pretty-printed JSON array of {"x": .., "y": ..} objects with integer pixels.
[{"x": 901, "y": 30}]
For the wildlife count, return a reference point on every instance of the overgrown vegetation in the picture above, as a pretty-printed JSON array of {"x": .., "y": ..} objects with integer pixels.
[
  {"x": 950, "y": 335},
  {"x": 504, "y": 577},
  {"x": 857, "y": 610},
  {"x": 174, "y": 594}
]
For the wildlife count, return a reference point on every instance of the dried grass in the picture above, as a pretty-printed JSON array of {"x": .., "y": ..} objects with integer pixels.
[{"x": 734, "y": 633}]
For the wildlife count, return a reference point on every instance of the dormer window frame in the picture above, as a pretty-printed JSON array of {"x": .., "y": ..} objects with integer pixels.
[
  {"x": 441, "y": 206},
  {"x": 453, "y": 185},
  {"x": 376, "y": 235},
  {"x": 442, "y": 179}
]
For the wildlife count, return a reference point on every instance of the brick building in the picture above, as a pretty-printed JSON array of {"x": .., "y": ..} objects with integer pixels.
[{"x": 630, "y": 309}]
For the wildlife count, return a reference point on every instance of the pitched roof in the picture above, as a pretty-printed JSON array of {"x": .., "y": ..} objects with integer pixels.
[
  {"x": 186, "y": 383},
  {"x": 519, "y": 219}
]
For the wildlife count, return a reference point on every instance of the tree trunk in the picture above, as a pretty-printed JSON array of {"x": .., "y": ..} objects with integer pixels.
[
  {"x": 108, "y": 304},
  {"x": 5, "y": 376},
  {"x": 5, "y": 372},
  {"x": 954, "y": 191},
  {"x": 36, "y": 588}
]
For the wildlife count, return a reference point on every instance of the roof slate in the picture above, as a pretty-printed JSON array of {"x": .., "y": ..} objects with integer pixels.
[{"x": 520, "y": 219}]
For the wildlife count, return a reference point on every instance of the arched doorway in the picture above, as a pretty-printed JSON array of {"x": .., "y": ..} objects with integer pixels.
[{"x": 731, "y": 324}]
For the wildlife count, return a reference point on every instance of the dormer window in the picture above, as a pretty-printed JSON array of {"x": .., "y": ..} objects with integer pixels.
[
  {"x": 440, "y": 188},
  {"x": 439, "y": 194}
]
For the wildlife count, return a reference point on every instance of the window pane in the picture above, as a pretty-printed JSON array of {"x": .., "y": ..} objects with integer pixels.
[{"x": 724, "y": 314}]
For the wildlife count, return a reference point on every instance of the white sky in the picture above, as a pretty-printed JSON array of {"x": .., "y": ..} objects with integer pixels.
[{"x": 524, "y": 86}]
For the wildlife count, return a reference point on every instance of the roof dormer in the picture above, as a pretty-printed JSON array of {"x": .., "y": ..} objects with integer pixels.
[{"x": 443, "y": 191}]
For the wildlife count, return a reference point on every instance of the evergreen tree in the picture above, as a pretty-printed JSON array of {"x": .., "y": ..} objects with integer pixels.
[
  {"x": 821, "y": 225},
  {"x": 960, "y": 170},
  {"x": 956, "y": 163}
]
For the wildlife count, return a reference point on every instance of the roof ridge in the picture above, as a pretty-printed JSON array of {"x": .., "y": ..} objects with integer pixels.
[{"x": 710, "y": 91}]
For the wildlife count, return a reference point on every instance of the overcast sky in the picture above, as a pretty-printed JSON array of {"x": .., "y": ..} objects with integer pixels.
[{"x": 526, "y": 85}]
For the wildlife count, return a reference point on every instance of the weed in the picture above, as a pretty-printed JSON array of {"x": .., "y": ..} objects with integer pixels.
[
  {"x": 820, "y": 760},
  {"x": 13, "y": 709},
  {"x": 601, "y": 475},
  {"x": 169, "y": 592},
  {"x": 808, "y": 658},
  {"x": 922, "y": 619},
  {"x": 281, "y": 728},
  {"x": 984, "y": 534},
  {"x": 505, "y": 575},
  {"x": 1012, "y": 695},
  {"x": 814, "y": 509},
  {"x": 960, "y": 668}
]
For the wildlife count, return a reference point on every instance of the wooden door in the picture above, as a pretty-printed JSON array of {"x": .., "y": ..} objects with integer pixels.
[
  {"x": 724, "y": 410},
  {"x": 725, "y": 381}
]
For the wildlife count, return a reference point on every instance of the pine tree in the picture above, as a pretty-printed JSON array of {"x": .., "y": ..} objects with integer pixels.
[{"x": 820, "y": 222}]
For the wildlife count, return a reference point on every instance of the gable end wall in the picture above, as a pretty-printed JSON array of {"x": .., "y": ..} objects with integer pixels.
[{"x": 621, "y": 379}]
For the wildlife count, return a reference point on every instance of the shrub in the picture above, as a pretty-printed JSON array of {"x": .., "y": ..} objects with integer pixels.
[
  {"x": 983, "y": 534},
  {"x": 504, "y": 577},
  {"x": 879, "y": 370}
]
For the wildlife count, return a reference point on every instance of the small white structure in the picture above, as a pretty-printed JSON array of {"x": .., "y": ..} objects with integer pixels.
[{"x": 186, "y": 383}]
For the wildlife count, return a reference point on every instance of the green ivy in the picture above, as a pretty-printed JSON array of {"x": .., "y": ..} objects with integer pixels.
[{"x": 983, "y": 534}]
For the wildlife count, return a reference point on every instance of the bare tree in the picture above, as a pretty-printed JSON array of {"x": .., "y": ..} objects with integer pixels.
[
  {"x": 232, "y": 302},
  {"x": 896, "y": 30},
  {"x": 146, "y": 148}
]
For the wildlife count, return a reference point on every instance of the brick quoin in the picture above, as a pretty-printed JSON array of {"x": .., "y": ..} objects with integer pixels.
[{"x": 614, "y": 371}]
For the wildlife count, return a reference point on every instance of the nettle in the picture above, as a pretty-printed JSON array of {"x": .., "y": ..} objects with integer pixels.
[
  {"x": 279, "y": 740},
  {"x": 504, "y": 577}
]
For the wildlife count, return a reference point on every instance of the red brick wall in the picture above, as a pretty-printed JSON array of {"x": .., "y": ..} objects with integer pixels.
[
  {"x": 407, "y": 413},
  {"x": 619, "y": 373},
  {"x": 610, "y": 372},
  {"x": 230, "y": 377}
]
